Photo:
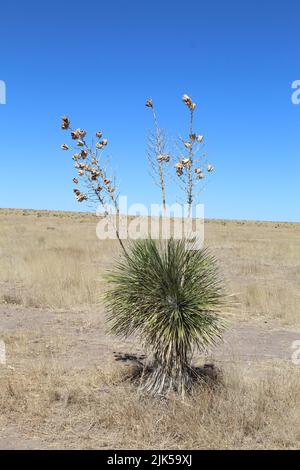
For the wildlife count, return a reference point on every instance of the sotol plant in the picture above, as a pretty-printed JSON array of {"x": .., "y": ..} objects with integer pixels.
[
  {"x": 165, "y": 292},
  {"x": 171, "y": 297}
]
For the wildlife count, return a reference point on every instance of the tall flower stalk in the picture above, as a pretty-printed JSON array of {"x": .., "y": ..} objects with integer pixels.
[
  {"x": 157, "y": 155},
  {"x": 92, "y": 183},
  {"x": 190, "y": 168}
]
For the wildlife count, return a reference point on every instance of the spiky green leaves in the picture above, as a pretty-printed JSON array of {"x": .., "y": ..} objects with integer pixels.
[{"x": 171, "y": 296}]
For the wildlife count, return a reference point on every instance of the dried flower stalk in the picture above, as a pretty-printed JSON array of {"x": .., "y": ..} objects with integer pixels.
[
  {"x": 157, "y": 156},
  {"x": 191, "y": 170},
  {"x": 91, "y": 172}
]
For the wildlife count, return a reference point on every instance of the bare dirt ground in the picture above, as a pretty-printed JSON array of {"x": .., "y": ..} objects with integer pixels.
[{"x": 80, "y": 339}]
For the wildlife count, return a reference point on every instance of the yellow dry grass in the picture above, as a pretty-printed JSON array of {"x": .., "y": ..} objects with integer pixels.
[
  {"x": 254, "y": 408},
  {"x": 54, "y": 260}
]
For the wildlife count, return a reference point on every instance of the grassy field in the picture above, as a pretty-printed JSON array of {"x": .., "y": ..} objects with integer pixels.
[
  {"x": 62, "y": 388},
  {"x": 54, "y": 260}
]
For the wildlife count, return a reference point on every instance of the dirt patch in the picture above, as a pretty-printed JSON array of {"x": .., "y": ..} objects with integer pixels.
[{"x": 80, "y": 339}]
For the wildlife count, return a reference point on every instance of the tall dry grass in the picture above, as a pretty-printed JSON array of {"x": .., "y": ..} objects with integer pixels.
[
  {"x": 54, "y": 259},
  {"x": 51, "y": 261},
  {"x": 255, "y": 407}
]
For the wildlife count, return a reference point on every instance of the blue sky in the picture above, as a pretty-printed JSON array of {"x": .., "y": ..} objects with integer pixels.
[{"x": 99, "y": 61}]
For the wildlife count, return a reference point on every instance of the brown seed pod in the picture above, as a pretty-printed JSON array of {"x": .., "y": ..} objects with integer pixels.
[
  {"x": 81, "y": 197},
  {"x": 74, "y": 135},
  {"x": 65, "y": 123},
  {"x": 163, "y": 158},
  {"x": 64, "y": 147},
  {"x": 94, "y": 174},
  {"x": 149, "y": 103},
  {"x": 81, "y": 133},
  {"x": 187, "y": 100},
  {"x": 179, "y": 166}
]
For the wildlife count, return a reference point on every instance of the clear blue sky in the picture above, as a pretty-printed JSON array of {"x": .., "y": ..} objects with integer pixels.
[{"x": 98, "y": 62}]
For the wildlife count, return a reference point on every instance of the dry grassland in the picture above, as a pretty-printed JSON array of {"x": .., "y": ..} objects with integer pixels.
[{"x": 61, "y": 386}]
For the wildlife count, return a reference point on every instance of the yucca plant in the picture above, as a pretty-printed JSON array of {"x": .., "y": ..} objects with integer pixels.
[{"x": 171, "y": 297}]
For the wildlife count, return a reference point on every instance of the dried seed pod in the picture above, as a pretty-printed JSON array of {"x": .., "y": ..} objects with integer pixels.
[
  {"x": 149, "y": 103},
  {"x": 65, "y": 123},
  {"x": 75, "y": 180},
  {"x": 94, "y": 174},
  {"x": 192, "y": 137},
  {"x": 186, "y": 161},
  {"x": 98, "y": 135},
  {"x": 199, "y": 138},
  {"x": 74, "y": 135},
  {"x": 187, "y": 100},
  {"x": 83, "y": 154},
  {"x": 106, "y": 182},
  {"x": 189, "y": 103},
  {"x": 179, "y": 166},
  {"x": 64, "y": 147},
  {"x": 81, "y": 133},
  {"x": 81, "y": 197},
  {"x": 80, "y": 173},
  {"x": 210, "y": 168},
  {"x": 163, "y": 158},
  {"x": 188, "y": 145}
]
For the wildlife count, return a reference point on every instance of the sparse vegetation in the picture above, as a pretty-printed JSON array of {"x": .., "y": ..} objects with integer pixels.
[
  {"x": 52, "y": 407},
  {"x": 61, "y": 386}
]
